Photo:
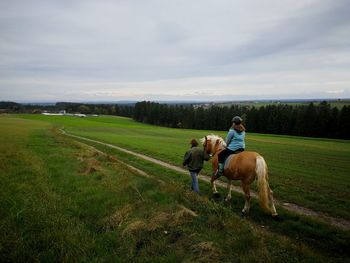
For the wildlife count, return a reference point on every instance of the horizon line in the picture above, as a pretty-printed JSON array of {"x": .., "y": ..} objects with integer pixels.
[{"x": 172, "y": 101}]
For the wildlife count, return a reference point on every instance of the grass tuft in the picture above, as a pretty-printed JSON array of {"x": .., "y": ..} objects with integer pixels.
[
  {"x": 206, "y": 252},
  {"x": 134, "y": 228},
  {"x": 117, "y": 218}
]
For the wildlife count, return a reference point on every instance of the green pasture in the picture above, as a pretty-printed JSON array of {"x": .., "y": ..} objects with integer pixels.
[
  {"x": 309, "y": 172},
  {"x": 63, "y": 201},
  {"x": 257, "y": 104}
]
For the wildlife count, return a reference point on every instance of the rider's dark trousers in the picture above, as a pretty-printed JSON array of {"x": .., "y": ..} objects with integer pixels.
[{"x": 225, "y": 153}]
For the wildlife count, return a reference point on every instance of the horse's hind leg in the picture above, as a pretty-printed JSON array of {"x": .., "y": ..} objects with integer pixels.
[
  {"x": 246, "y": 190},
  {"x": 228, "y": 197},
  {"x": 272, "y": 205}
]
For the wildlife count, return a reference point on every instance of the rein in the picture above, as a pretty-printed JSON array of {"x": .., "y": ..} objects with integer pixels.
[{"x": 217, "y": 151}]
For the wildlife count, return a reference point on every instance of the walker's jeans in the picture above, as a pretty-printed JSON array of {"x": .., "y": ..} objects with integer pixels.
[{"x": 195, "y": 186}]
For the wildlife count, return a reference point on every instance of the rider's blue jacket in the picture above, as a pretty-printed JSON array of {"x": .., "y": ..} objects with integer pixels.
[{"x": 235, "y": 140}]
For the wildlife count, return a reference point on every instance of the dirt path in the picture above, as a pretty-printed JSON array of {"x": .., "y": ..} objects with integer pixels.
[{"x": 338, "y": 222}]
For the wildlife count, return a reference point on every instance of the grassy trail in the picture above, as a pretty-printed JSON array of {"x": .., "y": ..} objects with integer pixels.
[
  {"x": 317, "y": 235},
  {"x": 343, "y": 224},
  {"x": 309, "y": 172}
]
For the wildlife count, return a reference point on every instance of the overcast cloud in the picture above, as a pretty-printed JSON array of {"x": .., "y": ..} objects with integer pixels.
[{"x": 87, "y": 50}]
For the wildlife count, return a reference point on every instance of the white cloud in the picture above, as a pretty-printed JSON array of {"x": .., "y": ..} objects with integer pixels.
[
  {"x": 59, "y": 50},
  {"x": 335, "y": 91}
]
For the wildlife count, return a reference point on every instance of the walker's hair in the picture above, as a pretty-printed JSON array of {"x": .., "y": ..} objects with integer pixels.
[{"x": 194, "y": 142}]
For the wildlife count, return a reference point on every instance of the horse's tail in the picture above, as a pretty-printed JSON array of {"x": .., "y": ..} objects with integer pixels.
[{"x": 263, "y": 185}]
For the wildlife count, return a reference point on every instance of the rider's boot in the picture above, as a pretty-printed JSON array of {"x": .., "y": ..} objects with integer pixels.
[{"x": 220, "y": 170}]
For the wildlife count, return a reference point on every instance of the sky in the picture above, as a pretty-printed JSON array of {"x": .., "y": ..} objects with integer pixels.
[{"x": 111, "y": 50}]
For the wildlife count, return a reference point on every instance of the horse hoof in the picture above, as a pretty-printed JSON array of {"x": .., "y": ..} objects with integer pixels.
[
  {"x": 243, "y": 214},
  {"x": 217, "y": 195},
  {"x": 276, "y": 218}
]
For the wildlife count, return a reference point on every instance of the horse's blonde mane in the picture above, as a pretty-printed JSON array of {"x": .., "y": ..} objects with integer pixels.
[{"x": 213, "y": 138}]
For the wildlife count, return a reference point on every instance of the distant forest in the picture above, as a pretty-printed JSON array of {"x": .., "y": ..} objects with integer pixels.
[{"x": 312, "y": 120}]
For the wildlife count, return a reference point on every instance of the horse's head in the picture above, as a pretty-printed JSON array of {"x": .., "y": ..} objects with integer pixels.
[
  {"x": 212, "y": 143},
  {"x": 206, "y": 144}
]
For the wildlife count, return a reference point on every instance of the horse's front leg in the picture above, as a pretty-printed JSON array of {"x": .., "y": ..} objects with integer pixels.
[
  {"x": 213, "y": 185},
  {"x": 228, "y": 197},
  {"x": 213, "y": 177}
]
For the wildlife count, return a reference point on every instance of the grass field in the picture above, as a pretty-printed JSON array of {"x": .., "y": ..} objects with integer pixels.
[
  {"x": 257, "y": 104},
  {"x": 63, "y": 201},
  {"x": 310, "y": 172}
]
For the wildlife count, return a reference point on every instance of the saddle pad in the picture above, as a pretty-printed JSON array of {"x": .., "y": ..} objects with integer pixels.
[{"x": 228, "y": 159}]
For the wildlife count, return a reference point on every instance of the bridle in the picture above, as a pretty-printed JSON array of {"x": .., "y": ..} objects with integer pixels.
[
  {"x": 206, "y": 144},
  {"x": 205, "y": 147}
]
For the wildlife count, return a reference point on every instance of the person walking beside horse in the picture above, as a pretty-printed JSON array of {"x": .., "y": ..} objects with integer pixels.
[{"x": 194, "y": 159}]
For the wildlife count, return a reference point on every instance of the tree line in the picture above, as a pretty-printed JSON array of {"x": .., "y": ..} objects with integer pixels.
[
  {"x": 84, "y": 108},
  {"x": 312, "y": 120}
]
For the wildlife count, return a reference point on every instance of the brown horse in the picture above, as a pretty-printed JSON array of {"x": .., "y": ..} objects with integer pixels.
[{"x": 244, "y": 166}]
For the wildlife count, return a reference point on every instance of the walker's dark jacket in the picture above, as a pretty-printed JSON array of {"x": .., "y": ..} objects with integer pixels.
[{"x": 194, "y": 159}]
